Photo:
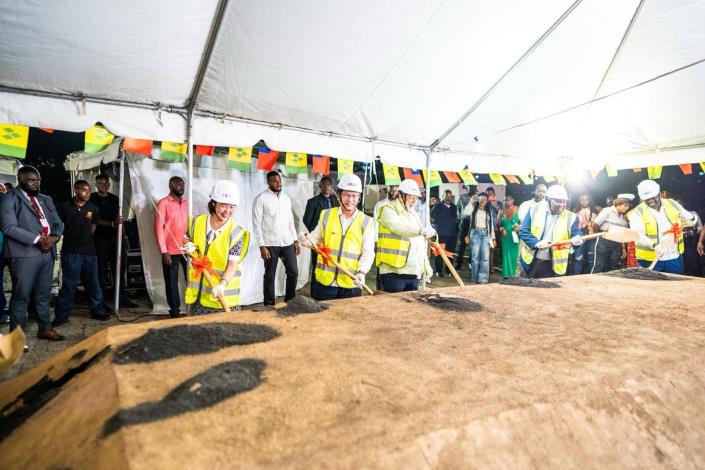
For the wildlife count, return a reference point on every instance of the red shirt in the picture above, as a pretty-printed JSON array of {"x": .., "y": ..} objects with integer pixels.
[{"x": 170, "y": 224}]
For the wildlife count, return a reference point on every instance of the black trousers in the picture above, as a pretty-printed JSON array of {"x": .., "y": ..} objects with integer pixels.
[
  {"x": 171, "y": 282},
  {"x": 607, "y": 256},
  {"x": 691, "y": 258},
  {"x": 321, "y": 292},
  {"x": 288, "y": 256},
  {"x": 449, "y": 241},
  {"x": 464, "y": 230},
  {"x": 106, "y": 250},
  {"x": 542, "y": 268}
]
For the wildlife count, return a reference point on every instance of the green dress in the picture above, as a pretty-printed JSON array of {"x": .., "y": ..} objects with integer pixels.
[{"x": 510, "y": 248}]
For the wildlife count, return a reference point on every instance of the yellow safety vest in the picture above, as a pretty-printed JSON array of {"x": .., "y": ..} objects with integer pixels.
[
  {"x": 652, "y": 230},
  {"x": 392, "y": 249},
  {"x": 217, "y": 253},
  {"x": 561, "y": 232},
  {"x": 346, "y": 248}
]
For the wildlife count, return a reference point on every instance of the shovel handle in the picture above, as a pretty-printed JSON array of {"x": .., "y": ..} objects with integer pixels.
[
  {"x": 209, "y": 280},
  {"x": 336, "y": 264},
  {"x": 447, "y": 262},
  {"x": 583, "y": 238}
]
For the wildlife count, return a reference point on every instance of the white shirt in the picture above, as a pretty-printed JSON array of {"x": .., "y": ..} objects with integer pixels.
[
  {"x": 368, "y": 241},
  {"x": 547, "y": 235},
  {"x": 420, "y": 208},
  {"x": 43, "y": 220},
  {"x": 670, "y": 249},
  {"x": 273, "y": 219},
  {"x": 525, "y": 207},
  {"x": 378, "y": 206}
]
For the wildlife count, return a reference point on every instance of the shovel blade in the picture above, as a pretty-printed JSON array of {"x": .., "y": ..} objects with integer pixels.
[
  {"x": 11, "y": 348},
  {"x": 621, "y": 234}
]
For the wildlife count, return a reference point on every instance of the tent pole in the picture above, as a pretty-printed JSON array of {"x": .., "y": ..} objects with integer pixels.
[
  {"x": 427, "y": 222},
  {"x": 118, "y": 257}
]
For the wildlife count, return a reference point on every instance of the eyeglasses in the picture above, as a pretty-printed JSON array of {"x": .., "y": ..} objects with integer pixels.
[{"x": 350, "y": 195}]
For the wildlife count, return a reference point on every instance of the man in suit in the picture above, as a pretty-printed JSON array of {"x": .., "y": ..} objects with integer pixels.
[
  {"x": 31, "y": 228},
  {"x": 314, "y": 207}
]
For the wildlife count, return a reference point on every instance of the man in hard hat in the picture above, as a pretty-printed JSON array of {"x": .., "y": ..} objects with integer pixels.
[
  {"x": 350, "y": 236},
  {"x": 547, "y": 222},
  {"x": 401, "y": 242},
  {"x": 217, "y": 239},
  {"x": 658, "y": 222}
]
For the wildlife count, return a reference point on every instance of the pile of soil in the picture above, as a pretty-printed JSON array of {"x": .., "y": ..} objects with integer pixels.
[
  {"x": 641, "y": 274},
  {"x": 302, "y": 304},
  {"x": 523, "y": 282},
  {"x": 212, "y": 386},
  {"x": 186, "y": 340},
  {"x": 452, "y": 303}
]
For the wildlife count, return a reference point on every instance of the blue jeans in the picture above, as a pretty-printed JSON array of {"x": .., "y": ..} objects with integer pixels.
[
  {"x": 583, "y": 255},
  {"x": 480, "y": 255},
  {"x": 73, "y": 268},
  {"x": 673, "y": 266}
]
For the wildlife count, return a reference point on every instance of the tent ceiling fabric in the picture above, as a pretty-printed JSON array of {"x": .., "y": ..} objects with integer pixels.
[{"x": 359, "y": 79}]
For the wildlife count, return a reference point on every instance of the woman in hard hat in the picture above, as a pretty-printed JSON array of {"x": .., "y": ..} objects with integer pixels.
[
  {"x": 350, "y": 236},
  {"x": 216, "y": 239},
  {"x": 547, "y": 222},
  {"x": 401, "y": 242}
]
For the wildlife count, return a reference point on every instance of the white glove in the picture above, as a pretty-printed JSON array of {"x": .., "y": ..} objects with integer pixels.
[
  {"x": 189, "y": 248},
  {"x": 304, "y": 240},
  {"x": 658, "y": 250},
  {"x": 359, "y": 279},
  {"x": 428, "y": 232},
  {"x": 576, "y": 241},
  {"x": 542, "y": 244},
  {"x": 219, "y": 290}
]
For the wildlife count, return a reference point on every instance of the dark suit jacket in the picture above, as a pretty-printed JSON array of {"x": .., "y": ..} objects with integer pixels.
[
  {"x": 314, "y": 207},
  {"x": 20, "y": 224}
]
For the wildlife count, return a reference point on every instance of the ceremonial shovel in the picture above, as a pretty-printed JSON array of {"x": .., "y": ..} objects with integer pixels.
[
  {"x": 209, "y": 279},
  {"x": 11, "y": 348},
  {"x": 614, "y": 232},
  {"x": 445, "y": 259},
  {"x": 335, "y": 263}
]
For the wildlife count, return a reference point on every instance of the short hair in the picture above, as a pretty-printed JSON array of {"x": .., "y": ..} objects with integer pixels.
[
  {"x": 26, "y": 169},
  {"x": 102, "y": 176},
  {"x": 448, "y": 191},
  {"x": 272, "y": 174},
  {"x": 80, "y": 184},
  {"x": 327, "y": 178},
  {"x": 211, "y": 207},
  {"x": 618, "y": 201},
  {"x": 175, "y": 178},
  {"x": 489, "y": 188}
]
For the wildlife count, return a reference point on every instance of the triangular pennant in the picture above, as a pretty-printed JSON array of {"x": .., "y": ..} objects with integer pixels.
[
  {"x": 48, "y": 130},
  {"x": 240, "y": 158},
  {"x": 266, "y": 159},
  {"x": 296, "y": 162},
  {"x": 13, "y": 140},
  {"x": 468, "y": 177},
  {"x": 594, "y": 173},
  {"x": 415, "y": 175},
  {"x": 391, "y": 174},
  {"x": 528, "y": 179},
  {"x": 702, "y": 166},
  {"x": 97, "y": 139},
  {"x": 611, "y": 171},
  {"x": 686, "y": 168},
  {"x": 452, "y": 177},
  {"x": 345, "y": 166},
  {"x": 137, "y": 146},
  {"x": 549, "y": 179},
  {"x": 173, "y": 152},
  {"x": 654, "y": 172},
  {"x": 321, "y": 164},
  {"x": 497, "y": 179},
  {"x": 512, "y": 179},
  {"x": 637, "y": 170},
  {"x": 434, "y": 179},
  {"x": 205, "y": 150}
]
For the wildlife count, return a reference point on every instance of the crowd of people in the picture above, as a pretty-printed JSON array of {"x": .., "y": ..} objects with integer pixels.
[{"x": 538, "y": 238}]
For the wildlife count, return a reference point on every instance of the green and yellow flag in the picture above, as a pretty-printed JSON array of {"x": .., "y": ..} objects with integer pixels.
[
  {"x": 434, "y": 179},
  {"x": 611, "y": 171},
  {"x": 345, "y": 166},
  {"x": 97, "y": 139},
  {"x": 296, "y": 162},
  {"x": 549, "y": 179},
  {"x": 528, "y": 179},
  {"x": 498, "y": 179},
  {"x": 174, "y": 152},
  {"x": 654, "y": 172},
  {"x": 468, "y": 177},
  {"x": 391, "y": 174},
  {"x": 702, "y": 166},
  {"x": 240, "y": 158},
  {"x": 13, "y": 140}
]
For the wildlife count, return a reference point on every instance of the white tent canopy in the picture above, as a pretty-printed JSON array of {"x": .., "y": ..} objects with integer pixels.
[{"x": 498, "y": 85}]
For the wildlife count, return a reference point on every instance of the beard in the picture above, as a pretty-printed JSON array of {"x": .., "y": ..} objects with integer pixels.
[
  {"x": 31, "y": 192},
  {"x": 178, "y": 192}
]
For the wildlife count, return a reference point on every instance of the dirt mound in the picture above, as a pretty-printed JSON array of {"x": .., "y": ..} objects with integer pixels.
[
  {"x": 523, "y": 282},
  {"x": 641, "y": 274},
  {"x": 452, "y": 303},
  {"x": 185, "y": 340},
  {"x": 302, "y": 304}
]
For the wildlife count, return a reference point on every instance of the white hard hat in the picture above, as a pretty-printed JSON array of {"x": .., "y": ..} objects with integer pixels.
[
  {"x": 557, "y": 192},
  {"x": 225, "y": 192},
  {"x": 627, "y": 196},
  {"x": 410, "y": 187},
  {"x": 350, "y": 182},
  {"x": 648, "y": 189}
]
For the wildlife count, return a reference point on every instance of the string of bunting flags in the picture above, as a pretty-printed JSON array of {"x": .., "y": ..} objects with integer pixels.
[{"x": 14, "y": 141}]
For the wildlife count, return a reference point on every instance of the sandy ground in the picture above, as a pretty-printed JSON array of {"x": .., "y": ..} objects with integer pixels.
[{"x": 600, "y": 372}]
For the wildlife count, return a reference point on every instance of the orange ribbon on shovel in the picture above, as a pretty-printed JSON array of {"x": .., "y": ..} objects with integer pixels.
[
  {"x": 202, "y": 264},
  {"x": 442, "y": 246},
  {"x": 561, "y": 246},
  {"x": 324, "y": 251},
  {"x": 676, "y": 230}
]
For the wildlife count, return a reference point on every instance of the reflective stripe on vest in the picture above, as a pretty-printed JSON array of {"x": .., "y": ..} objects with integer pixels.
[
  {"x": 561, "y": 232},
  {"x": 217, "y": 252},
  {"x": 346, "y": 248},
  {"x": 652, "y": 229},
  {"x": 392, "y": 249}
]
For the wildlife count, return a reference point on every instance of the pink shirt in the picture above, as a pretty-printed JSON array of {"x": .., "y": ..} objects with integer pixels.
[{"x": 170, "y": 224}]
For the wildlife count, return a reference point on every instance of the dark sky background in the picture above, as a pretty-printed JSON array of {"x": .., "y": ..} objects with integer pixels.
[{"x": 47, "y": 152}]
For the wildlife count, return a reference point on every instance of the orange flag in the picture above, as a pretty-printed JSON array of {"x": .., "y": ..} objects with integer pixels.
[
  {"x": 137, "y": 146},
  {"x": 686, "y": 168},
  {"x": 452, "y": 177},
  {"x": 205, "y": 149}
]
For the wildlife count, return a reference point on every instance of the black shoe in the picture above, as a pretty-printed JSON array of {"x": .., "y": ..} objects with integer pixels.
[
  {"x": 59, "y": 322},
  {"x": 174, "y": 315},
  {"x": 100, "y": 317},
  {"x": 26, "y": 349},
  {"x": 127, "y": 303}
]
